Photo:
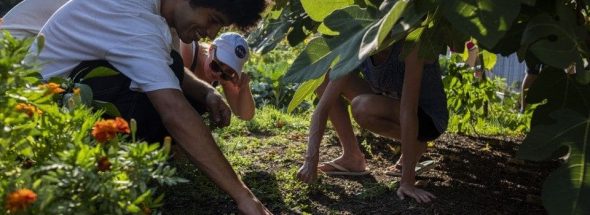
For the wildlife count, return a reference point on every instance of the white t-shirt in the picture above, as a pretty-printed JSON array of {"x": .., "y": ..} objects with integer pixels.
[
  {"x": 27, "y": 17},
  {"x": 129, "y": 34}
]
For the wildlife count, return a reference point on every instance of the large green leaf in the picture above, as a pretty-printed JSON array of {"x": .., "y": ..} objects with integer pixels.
[
  {"x": 431, "y": 44},
  {"x": 351, "y": 23},
  {"x": 510, "y": 42},
  {"x": 391, "y": 28},
  {"x": 485, "y": 20},
  {"x": 550, "y": 41},
  {"x": 309, "y": 62},
  {"x": 303, "y": 91},
  {"x": 86, "y": 94},
  {"x": 268, "y": 37},
  {"x": 108, "y": 108},
  {"x": 566, "y": 190},
  {"x": 320, "y": 9},
  {"x": 390, "y": 19},
  {"x": 290, "y": 22},
  {"x": 489, "y": 60}
]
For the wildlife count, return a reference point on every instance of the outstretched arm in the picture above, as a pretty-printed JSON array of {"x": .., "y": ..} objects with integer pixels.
[
  {"x": 331, "y": 96},
  {"x": 187, "y": 127},
  {"x": 409, "y": 128}
]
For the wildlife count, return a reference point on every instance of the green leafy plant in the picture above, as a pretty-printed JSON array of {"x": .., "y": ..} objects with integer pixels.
[
  {"x": 268, "y": 86},
  {"x": 62, "y": 159},
  {"x": 473, "y": 102}
]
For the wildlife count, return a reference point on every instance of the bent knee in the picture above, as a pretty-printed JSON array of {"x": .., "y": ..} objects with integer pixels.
[{"x": 360, "y": 110}]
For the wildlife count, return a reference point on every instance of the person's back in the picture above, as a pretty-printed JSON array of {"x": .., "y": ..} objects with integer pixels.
[
  {"x": 123, "y": 35},
  {"x": 388, "y": 77},
  {"x": 27, "y": 17}
]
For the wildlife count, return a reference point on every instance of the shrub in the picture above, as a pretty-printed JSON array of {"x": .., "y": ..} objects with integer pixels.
[
  {"x": 476, "y": 105},
  {"x": 63, "y": 159}
]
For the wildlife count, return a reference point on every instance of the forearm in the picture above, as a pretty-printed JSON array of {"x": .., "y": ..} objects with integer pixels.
[
  {"x": 242, "y": 103},
  {"x": 187, "y": 128},
  {"x": 316, "y": 134},
  {"x": 409, "y": 141},
  {"x": 195, "y": 88},
  {"x": 409, "y": 115}
]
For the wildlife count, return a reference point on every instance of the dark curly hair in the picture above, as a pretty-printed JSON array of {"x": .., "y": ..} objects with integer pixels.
[{"x": 242, "y": 13}]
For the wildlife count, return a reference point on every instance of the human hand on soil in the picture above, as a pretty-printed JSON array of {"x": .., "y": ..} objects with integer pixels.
[
  {"x": 253, "y": 206},
  {"x": 308, "y": 172},
  {"x": 421, "y": 196}
]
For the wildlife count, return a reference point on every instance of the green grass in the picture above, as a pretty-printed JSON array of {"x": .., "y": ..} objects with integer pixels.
[{"x": 265, "y": 152}]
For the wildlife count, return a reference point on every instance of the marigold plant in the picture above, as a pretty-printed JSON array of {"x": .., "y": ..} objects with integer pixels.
[
  {"x": 20, "y": 200},
  {"x": 52, "y": 88},
  {"x": 57, "y": 153},
  {"x": 103, "y": 164},
  {"x": 105, "y": 130},
  {"x": 29, "y": 109}
]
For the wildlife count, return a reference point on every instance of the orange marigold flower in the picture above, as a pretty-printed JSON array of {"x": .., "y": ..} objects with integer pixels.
[
  {"x": 76, "y": 91},
  {"x": 122, "y": 125},
  {"x": 29, "y": 109},
  {"x": 52, "y": 88},
  {"x": 20, "y": 199},
  {"x": 105, "y": 130},
  {"x": 103, "y": 164}
]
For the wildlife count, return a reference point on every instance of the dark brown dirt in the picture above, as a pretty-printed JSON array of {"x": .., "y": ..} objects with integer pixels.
[{"x": 473, "y": 175}]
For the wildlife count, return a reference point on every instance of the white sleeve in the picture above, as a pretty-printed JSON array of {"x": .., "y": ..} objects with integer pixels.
[{"x": 145, "y": 59}]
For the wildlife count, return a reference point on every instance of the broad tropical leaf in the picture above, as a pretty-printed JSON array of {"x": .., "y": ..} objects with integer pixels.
[
  {"x": 108, "y": 108},
  {"x": 489, "y": 60},
  {"x": 290, "y": 22},
  {"x": 566, "y": 190},
  {"x": 391, "y": 28},
  {"x": 550, "y": 42},
  {"x": 309, "y": 62},
  {"x": 351, "y": 23},
  {"x": 304, "y": 91},
  {"x": 485, "y": 20},
  {"x": 320, "y": 9}
]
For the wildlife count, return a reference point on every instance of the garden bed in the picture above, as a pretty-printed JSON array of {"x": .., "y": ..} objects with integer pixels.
[{"x": 473, "y": 175}]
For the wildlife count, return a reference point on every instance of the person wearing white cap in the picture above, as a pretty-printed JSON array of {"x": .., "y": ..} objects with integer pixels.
[{"x": 222, "y": 63}]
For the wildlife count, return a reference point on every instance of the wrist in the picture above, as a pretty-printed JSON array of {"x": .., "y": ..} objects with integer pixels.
[
  {"x": 407, "y": 179},
  {"x": 243, "y": 196},
  {"x": 312, "y": 159}
]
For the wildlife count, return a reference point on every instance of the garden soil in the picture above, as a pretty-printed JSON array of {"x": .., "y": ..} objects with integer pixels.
[{"x": 472, "y": 175}]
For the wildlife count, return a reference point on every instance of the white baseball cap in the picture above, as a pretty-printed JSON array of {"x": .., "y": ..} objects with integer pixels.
[{"x": 232, "y": 50}]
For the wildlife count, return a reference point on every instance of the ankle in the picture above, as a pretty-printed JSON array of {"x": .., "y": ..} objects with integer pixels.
[{"x": 353, "y": 157}]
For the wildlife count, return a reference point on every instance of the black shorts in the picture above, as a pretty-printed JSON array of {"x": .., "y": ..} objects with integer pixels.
[
  {"x": 426, "y": 129},
  {"x": 131, "y": 104},
  {"x": 534, "y": 70}
]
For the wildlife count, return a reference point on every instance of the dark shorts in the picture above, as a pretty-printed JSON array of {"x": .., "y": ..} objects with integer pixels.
[
  {"x": 534, "y": 70},
  {"x": 426, "y": 129},
  {"x": 131, "y": 104}
]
